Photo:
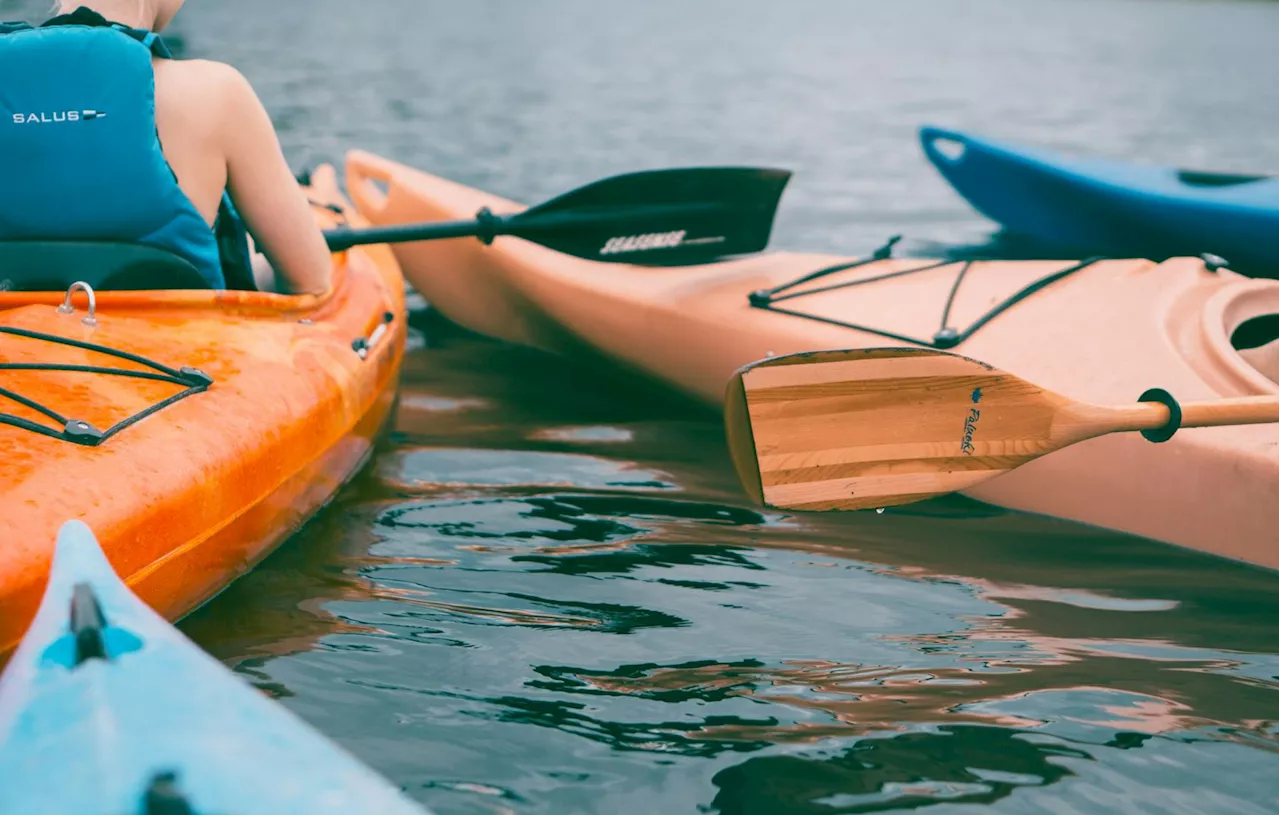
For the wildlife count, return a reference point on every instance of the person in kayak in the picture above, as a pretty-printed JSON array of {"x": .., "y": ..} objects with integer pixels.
[{"x": 116, "y": 141}]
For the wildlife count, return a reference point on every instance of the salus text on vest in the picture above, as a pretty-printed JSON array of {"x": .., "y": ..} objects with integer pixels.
[{"x": 56, "y": 116}]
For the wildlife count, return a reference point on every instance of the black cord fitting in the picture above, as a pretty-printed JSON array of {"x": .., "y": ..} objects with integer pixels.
[
  {"x": 488, "y": 225},
  {"x": 1163, "y": 397}
]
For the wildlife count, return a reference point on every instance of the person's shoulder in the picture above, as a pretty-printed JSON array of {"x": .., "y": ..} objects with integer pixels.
[
  {"x": 214, "y": 93},
  {"x": 207, "y": 73},
  {"x": 207, "y": 80}
]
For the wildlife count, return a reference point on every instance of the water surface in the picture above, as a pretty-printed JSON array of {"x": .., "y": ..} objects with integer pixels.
[{"x": 547, "y": 594}]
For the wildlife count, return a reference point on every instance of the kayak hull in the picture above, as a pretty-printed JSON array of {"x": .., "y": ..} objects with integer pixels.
[
  {"x": 94, "y": 735},
  {"x": 1100, "y": 206},
  {"x": 1104, "y": 334},
  {"x": 195, "y": 494}
]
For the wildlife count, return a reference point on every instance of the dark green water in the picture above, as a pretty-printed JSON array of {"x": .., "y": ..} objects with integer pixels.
[{"x": 547, "y": 594}]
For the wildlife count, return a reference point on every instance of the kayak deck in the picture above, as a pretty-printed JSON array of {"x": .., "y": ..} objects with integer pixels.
[
  {"x": 1104, "y": 334},
  {"x": 196, "y": 491}
]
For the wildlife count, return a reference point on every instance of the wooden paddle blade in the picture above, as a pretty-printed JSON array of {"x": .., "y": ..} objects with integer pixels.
[{"x": 879, "y": 427}]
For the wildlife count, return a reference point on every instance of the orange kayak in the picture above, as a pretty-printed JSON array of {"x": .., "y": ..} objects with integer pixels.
[
  {"x": 1102, "y": 332},
  {"x": 192, "y": 430}
]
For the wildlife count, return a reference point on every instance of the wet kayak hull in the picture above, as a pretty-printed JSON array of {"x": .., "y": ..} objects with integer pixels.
[{"x": 1103, "y": 334}]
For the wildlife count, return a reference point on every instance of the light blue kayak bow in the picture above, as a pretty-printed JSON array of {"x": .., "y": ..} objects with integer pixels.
[{"x": 106, "y": 709}]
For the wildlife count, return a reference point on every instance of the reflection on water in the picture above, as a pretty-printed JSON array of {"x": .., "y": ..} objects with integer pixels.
[{"x": 961, "y": 763}]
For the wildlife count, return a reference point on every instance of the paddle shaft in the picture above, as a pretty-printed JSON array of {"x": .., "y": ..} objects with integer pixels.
[
  {"x": 495, "y": 225},
  {"x": 340, "y": 239},
  {"x": 347, "y": 238},
  {"x": 1217, "y": 413}
]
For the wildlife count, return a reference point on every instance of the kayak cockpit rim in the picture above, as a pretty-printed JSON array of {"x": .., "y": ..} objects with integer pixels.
[
  {"x": 1251, "y": 369},
  {"x": 240, "y": 302}
]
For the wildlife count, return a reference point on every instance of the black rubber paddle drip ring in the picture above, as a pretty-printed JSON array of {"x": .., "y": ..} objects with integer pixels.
[
  {"x": 1163, "y": 397},
  {"x": 487, "y": 228}
]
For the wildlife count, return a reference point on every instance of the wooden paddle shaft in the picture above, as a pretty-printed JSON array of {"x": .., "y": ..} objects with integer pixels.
[{"x": 1242, "y": 410}]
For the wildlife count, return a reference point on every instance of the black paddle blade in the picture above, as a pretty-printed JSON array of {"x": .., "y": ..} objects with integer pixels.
[{"x": 662, "y": 217}]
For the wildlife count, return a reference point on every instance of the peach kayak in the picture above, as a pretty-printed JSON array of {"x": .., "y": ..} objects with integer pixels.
[
  {"x": 1102, "y": 331},
  {"x": 192, "y": 430}
]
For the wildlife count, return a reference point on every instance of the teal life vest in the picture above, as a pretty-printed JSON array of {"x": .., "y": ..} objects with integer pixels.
[{"x": 80, "y": 154}]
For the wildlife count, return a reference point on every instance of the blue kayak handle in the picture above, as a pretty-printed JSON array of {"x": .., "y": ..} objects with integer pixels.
[{"x": 929, "y": 138}]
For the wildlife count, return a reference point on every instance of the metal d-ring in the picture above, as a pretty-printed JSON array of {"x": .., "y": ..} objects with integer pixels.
[{"x": 66, "y": 308}]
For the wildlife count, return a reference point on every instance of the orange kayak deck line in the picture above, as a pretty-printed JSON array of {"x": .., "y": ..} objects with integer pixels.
[
  {"x": 196, "y": 493},
  {"x": 1104, "y": 334}
]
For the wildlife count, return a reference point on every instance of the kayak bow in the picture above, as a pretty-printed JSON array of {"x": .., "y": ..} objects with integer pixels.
[
  {"x": 1096, "y": 205},
  {"x": 105, "y": 708}
]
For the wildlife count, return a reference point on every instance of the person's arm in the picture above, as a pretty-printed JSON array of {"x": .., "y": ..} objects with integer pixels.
[{"x": 273, "y": 206}]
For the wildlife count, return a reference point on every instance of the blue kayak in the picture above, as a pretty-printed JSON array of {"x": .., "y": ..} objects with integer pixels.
[
  {"x": 106, "y": 709},
  {"x": 1101, "y": 206}
]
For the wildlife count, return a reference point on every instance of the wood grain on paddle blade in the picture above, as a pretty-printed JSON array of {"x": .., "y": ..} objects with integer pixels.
[{"x": 874, "y": 428}]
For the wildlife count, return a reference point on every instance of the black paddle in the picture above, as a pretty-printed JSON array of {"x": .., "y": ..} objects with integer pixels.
[{"x": 668, "y": 217}]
